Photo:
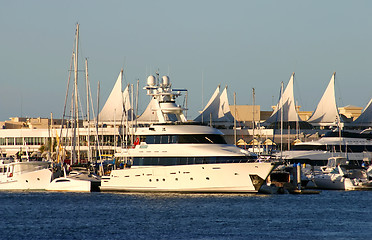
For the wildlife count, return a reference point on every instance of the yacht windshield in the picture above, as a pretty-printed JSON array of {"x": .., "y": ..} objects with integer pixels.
[
  {"x": 169, "y": 161},
  {"x": 187, "y": 138}
]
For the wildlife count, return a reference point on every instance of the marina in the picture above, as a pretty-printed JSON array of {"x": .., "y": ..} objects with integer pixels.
[
  {"x": 185, "y": 120},
  {"x": 160, "y": 150}
]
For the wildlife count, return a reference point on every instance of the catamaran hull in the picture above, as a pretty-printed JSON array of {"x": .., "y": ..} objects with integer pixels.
[
  {"x": 65, "y": 184},
  {"x": 216, "y": 178},
  {"x": 35, "y": 180}
]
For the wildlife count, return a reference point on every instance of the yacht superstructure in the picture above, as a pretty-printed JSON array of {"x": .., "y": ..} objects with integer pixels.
[
  {"x": 353, "y": 146},
  {"x": 170, "y": 154}
]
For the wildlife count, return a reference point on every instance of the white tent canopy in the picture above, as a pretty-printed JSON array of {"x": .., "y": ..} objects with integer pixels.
[
  {"x": 117, "y": 106},
  {"x": 286, "y": 105},
  {"x": 326, "y": 113},
  {"x": 365, "y": 119},
  {"x": 217, "y": 108},
  {"x": 150, "y": 113}
]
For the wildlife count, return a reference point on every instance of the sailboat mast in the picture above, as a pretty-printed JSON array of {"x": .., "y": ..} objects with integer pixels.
[
  {"x": 88, "y": 110},
  {"x": 253, "y": 124},
  {"x": 98, "y": 153},
  {"x": 235, "y": 119},
  {"x": 281, "y": 121},
  {"x": 131, "y": 112},
  {"x": 339, "y": 124},
  {"x": 76, "y": 111},
  {"x": 137, "y": 102}
]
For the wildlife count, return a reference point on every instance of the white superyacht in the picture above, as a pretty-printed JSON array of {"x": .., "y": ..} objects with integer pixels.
[{"x": 169, "y": 154}]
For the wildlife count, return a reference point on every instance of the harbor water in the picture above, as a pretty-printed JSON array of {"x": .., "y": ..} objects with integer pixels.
[{"x": 50, "y": 215}]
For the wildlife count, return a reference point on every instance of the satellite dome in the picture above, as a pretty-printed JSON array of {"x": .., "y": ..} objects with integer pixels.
[
  {"x": 166, "y": 81},
  {"x": 151, "y": 80}
]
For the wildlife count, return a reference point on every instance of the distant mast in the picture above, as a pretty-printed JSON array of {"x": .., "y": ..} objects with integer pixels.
[
  {"x": 253, "y": 123},
  {"x": 88, "y": 112},
  {"x": 75, "y": 105}
]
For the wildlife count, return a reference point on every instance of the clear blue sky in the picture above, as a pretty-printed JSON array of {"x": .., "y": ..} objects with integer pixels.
[{"x": 242, "y": 44}]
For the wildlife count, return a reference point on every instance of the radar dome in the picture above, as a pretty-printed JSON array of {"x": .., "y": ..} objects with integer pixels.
[
  {"x": 151, "y": 80},
  {"x": 166, "y": 81}
]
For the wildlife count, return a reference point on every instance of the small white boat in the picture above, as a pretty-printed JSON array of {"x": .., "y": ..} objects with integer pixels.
[
  {"x": 66, "y": 184},
  {"x": 339, "y": 175},
  {"x": 29, "y": 175},
  {"x": 76, "y": 181}
]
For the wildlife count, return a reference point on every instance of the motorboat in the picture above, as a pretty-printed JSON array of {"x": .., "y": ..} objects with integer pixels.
[
  {"x": 170, "y": 154},
  {"x": 76, "y": 181},
  {"x": 24, "y": 175},
  {"x": 339, "y": 174}
]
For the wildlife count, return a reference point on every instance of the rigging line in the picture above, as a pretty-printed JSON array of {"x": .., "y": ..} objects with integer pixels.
[
  {"x": 123, "y": 113},
  {"x": 66, "y": 97},
  {"x": 299, "y": 95},
  {"x": 123, "y": 78},
  {"x": 339, "y": 93},
  {"x": 80, "y": 105},
  {"x": 91, "y": 101}
]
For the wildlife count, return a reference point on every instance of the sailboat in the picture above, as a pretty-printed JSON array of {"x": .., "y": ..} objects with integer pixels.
[{"x": 79, "y": 180}]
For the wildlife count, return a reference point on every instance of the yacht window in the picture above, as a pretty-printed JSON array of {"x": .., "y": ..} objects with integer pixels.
[
  {"x": 310, "y": 147},
  {"x": 173, "y": 139},
  {"x": 209, "y": 138},
  {"x": 165, "y": 139},
  {"x": 182, "y": 161},
  {"x": 63, "y": 180},
  {"x": 172, "y": 117},
  {"x": 169, "y": 161},
  {"x": 150, "y": 139},
  {"x": 187, "y": 138},
  {"x": 157, "y": 139}
]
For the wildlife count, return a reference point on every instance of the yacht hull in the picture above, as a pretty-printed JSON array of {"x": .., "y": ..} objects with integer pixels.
[
  {"x": 330, "y": 182},
  {"x": 35, "y": 180},
  {"x": 338, "y": 182},
  {"x": 212, "y": 178},
  {"x": 66, "y": 184}
]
